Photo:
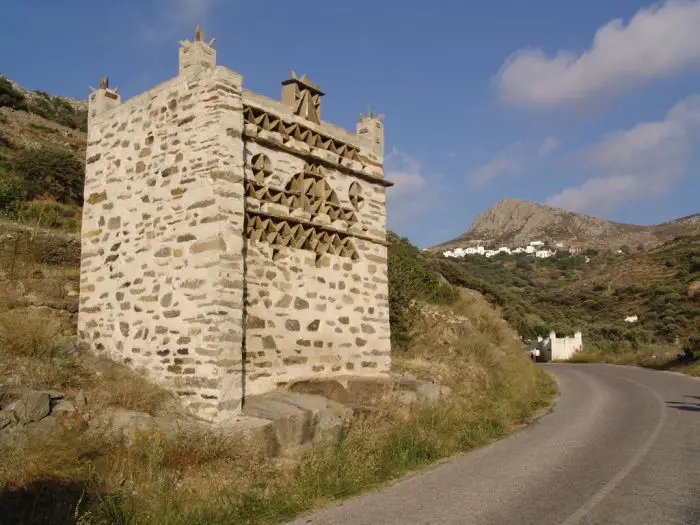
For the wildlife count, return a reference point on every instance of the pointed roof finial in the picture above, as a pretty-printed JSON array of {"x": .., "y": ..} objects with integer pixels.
[
  {"x": 198, "y": 34},
  {"x": 370, "y": 113},
  {"x": 104, "y": 83}
]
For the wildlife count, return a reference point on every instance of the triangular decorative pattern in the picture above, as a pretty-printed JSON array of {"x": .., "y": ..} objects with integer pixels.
[
  {"x": 307, "y": 190},
  {"x": 299, "y": 132},
  {"x": 355, "y": 195},
  {"x": 288, "y": 233}
]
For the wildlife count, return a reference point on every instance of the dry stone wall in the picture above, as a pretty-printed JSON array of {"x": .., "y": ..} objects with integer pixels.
[{"x": 232, "y": 242}]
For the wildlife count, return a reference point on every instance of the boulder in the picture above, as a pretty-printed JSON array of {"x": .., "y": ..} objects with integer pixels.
[
  {"x": 71, "y": 421},
  {"x": 431, "y": 392},
  {"x": 8, "y": 419},
  {"x": 30, "y": 406},
  {"x": 63, "y": 407},
  {"x": 127, "y": 423},
  {"x": 43, "y": 429}
]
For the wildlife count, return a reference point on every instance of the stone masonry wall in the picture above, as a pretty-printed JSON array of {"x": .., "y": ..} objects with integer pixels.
[
  {"x": 311, "y": 313},
  {"x": 162, "y": 266}
]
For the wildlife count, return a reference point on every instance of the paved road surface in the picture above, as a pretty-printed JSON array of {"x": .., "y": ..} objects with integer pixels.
[{"x": 621, "y": 446}]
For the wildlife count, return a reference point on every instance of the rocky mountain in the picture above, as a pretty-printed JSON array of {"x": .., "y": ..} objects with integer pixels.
[{"x": 513, "y": 222}]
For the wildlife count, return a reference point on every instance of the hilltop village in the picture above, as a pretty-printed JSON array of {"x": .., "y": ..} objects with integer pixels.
[{"x": 535, "y": 248}]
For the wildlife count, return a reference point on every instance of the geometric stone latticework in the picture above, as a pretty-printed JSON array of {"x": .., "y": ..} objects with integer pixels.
[
  {"x": 261, "y": 167},
  {"x": 230, "y": 242},
  {"x": 355, "y": 195},
  {"x": 307, "y": 191},
  {"x": 287, "y": 232},
  {"x": 316, "y": 196},
  {"x": 291, "y": 129}
]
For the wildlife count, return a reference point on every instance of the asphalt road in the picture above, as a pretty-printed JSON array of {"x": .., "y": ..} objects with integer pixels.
[{"x": 622, "y": 445}]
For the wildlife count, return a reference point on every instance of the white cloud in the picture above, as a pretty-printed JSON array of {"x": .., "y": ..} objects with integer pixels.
[
  {"x": 659, "y": 40},
  {"x": 506, "y": 162},
  {"x": 598, "y": 195},
  {"x": 639, "y": 163},
  {"x": 512, "y": 161},
  {"x": 413, "y": 194}
]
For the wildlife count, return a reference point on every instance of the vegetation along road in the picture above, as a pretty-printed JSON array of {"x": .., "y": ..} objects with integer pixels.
[{"x": 621, "y": 446}]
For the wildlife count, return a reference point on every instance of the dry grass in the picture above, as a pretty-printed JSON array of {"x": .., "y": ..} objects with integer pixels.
[
  {"x": 34, "y": 354},
  {"x": 27, "y": 334},
  {"x": 207, "y": 478},
  {"x": 657, "y": 357}
]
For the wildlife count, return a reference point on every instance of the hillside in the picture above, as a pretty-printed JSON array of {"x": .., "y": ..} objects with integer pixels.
[
  {"x": 661, "y": 286},
  {"x": 514, "y": 222},
  {"x": 66, "y": 472},
  {"x": 42, "y": 157}
]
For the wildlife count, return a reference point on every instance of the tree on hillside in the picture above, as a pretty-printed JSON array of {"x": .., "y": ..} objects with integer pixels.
[{"x": 51, "y": 172}]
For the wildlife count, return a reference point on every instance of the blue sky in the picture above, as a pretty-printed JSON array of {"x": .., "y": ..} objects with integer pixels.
[{"x": 589, "y": 106}]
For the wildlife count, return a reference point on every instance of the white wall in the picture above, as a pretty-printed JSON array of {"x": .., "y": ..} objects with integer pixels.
[{"x": 564, "y": 347}]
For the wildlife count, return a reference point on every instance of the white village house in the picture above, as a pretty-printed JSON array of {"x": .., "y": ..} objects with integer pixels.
[{"x": 531, "y": 249}]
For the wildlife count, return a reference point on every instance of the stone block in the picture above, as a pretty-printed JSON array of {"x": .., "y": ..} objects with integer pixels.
[
  {"x": 297, "y": 419},
  {"x": 328, "y": 388}
]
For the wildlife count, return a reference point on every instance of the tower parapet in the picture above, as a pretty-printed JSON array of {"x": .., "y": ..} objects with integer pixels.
[
  {"x": 102, "y": 99},
  {"x": 197, "y": 55},
  {"x": 370, "y": 127}
]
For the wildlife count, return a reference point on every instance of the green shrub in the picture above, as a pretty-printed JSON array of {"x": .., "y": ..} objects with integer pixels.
[
  {"x": 692, "y": 348},
  {"x": 11, "y": 194},
  {"x": 50, "y": 215},
  {"x": 10, "y": 97},
  {"x": 694, "y": 262},
  {"x": 51, "y": 171},
  {"x": 410, "y": 279}
]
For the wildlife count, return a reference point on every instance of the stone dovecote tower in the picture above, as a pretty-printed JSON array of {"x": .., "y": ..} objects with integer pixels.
[{"x": 232, "y": 243}]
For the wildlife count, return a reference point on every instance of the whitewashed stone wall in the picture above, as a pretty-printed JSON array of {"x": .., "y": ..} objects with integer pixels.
[
  {"x": 564, "y": 348},
  {"x": 178, "y": 279}
]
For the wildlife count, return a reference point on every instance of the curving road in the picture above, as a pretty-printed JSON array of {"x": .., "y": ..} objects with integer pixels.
[{"x": 622, "y": 445}]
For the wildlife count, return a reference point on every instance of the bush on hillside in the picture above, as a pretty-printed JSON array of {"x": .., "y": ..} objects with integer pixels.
[
  {"x": 50, "y": 215},
  {"x": 410, "y": 280},
  {"x": 10, "y": 97},
  {"x": 694, "y": 262},
  {"x": 58, "y": 110},
  {"x": 692, "y": 348},
  {"x": 51, "y": 171},
  {"x": 11, "y": 194}
]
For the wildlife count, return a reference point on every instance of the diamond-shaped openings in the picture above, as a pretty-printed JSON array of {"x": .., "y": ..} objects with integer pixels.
[
  {"x": 315, "y": 238},
  {"x": 261, "y": 167},
  {"x": 355, "y": 195}
]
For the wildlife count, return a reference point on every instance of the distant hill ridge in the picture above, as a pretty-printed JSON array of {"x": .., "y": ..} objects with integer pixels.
[{"x": 514, "y": 222}]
